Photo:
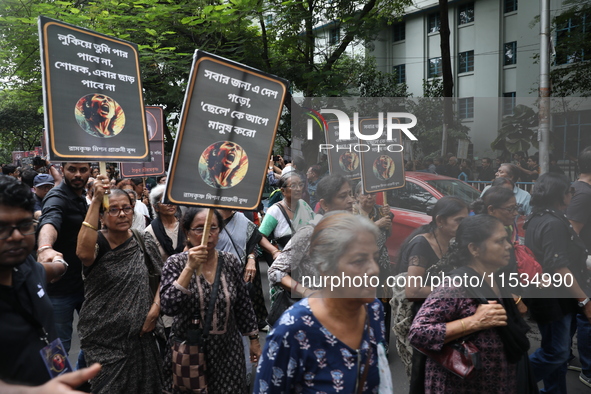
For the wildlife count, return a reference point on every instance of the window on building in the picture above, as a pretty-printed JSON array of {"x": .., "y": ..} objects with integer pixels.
[
  {"x": 466, "y": 61},
  {"x": 569, "y": 35},
  {"x": 400, "y": 71},
  {"x": 510, "y": 5},
  {"x": 399, "y": 31},
  {"x": 508, "y": 103},
  {"x": 466, "y": 14},
  {"x": 510, "y": 53},
  {"x": 466, "y": 108},
  {"x": 269, "y": 19},
  {"x": 434, "y": 23},
  {"x": 435, "y": 67},
  {"x": 334, "y": 36}
]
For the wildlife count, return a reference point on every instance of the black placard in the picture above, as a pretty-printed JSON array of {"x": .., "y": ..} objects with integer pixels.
[
  {"x": 382, "y": 161},
  {"x": 155, "y": 122},
  {"x": 226, "y": 134},
  {"x": 343, "y": 159},
  {"x": 94, "y": 108}
]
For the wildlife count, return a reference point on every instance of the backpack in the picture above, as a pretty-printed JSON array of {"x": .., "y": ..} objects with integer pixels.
[
  {"x": 275, "y": 197},
  {"x": 526, "y": 264}
]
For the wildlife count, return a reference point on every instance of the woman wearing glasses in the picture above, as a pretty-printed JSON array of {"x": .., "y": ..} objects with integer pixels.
[
  {"x": 188, "y": 280},
  {"x": 119, "y": 312},
  {"x": 500, "y": 202},
  {"x": 288, "y": 215}
]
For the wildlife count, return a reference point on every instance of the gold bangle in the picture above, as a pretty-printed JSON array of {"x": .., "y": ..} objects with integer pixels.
[
  {"x": 518, "y": 300},
  {"x": 86, "y": 224},
  {"x": 463, "y": 327}
]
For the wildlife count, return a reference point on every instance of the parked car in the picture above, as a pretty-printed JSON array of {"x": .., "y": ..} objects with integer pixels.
[{"x": 412, "y": 204}]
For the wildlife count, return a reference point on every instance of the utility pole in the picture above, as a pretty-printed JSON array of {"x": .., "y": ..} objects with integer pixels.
[{"x": 544, "y": 101}]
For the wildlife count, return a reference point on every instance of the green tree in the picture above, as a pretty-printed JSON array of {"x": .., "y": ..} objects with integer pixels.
[
  {"x": 291, "y": 33},
  {"x": 21, "y": 123},
  {"x": 429, "y": 111},
  {"x": 167, "y": 33},
  {"x": 518, "y": 131}
]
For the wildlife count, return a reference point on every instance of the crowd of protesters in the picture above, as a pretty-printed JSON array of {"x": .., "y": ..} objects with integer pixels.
[{"x": 138, "y": 276}]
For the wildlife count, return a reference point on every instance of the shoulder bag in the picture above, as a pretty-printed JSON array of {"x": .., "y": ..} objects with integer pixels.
[
  {"x": 153, "y": 277},
  {"x": 189, "y": 356},
  {"x": 460, "y": 358}
]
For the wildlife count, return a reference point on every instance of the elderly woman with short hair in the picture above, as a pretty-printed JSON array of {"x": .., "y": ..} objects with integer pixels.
[
  {"x": 334, "y": 340},
  {"x": 165, "y": 228}
]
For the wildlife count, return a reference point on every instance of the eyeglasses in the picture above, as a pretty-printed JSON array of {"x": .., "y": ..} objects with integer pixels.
[
  {"x": 511, "y": 209},
  {"x": 25, "y": 228},
  {"x": 116, "y": 211},
  {"x": 199, "y": 230},
  {"x": 167, "y": 205},
  {"x": 296, "y": 186}
]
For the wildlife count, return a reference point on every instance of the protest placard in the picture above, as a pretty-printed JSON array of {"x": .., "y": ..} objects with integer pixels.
[
  {"x": 155, "y": 122},
  {"x": 382, "y": 162},
  {"x": 92, "y": 94},
  {"x": 343, "y": 159},
  {"x": 226, "y": 134}
]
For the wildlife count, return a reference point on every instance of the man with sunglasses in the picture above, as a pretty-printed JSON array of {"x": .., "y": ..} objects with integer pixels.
[
  {"x": 24, "y": 303},
  {"x": 64, "y": 210},
  {"x": 578, "y": 213}
]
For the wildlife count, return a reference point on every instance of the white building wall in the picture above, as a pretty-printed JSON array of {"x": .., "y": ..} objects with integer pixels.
[{"x": 486, "y": 36}]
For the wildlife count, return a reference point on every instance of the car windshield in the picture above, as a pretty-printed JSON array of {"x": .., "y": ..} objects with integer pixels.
[{"x": 456, "y": 188}]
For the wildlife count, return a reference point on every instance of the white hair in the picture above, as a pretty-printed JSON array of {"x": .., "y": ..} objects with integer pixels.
[
  {"x": 333, "y": 235},
  {"x": 155, "y": 197}
]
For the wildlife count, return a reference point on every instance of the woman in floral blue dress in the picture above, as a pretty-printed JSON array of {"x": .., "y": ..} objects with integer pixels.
[{"x": 334, "y": 341}]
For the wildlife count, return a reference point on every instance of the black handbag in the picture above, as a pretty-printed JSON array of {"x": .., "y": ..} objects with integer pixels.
[{"x": 281, "y": 303}]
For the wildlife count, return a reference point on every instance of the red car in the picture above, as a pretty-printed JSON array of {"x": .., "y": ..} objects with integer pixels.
[{"x": 412, "y": 204}]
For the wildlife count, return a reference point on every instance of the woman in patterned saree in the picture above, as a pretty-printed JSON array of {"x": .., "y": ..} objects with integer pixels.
[
  {"x": 184, "y": 293},
  {"x": 476, "y": 309},
  {"x": 275, "y": 224},
  {"x": 332, "y": 341},
  {"x": 119, "y": 312}
]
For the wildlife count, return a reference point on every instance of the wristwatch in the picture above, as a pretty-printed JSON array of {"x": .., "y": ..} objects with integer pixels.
[{"x": 584, "y": 302}]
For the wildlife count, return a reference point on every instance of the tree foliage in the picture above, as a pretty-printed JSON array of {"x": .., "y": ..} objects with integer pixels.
[
  {"x": 429, "y": 111},
  {"x": 168, "y": 31},
  {"x": 518, "y": 131},
  {"x": 21, "y": 123}
]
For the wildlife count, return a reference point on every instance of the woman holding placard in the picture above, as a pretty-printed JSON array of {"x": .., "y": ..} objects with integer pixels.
[
  {"x": 119, "y": 312},
  {"x": 188, "y": 281}
]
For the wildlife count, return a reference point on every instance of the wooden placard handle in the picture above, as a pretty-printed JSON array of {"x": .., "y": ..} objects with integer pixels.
[
  {"x": 103, "y": 170},
  {"x": 205, "y": 236}
]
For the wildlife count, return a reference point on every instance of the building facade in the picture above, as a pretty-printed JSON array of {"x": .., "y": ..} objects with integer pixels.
[{"x": 494, "y": 46}]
